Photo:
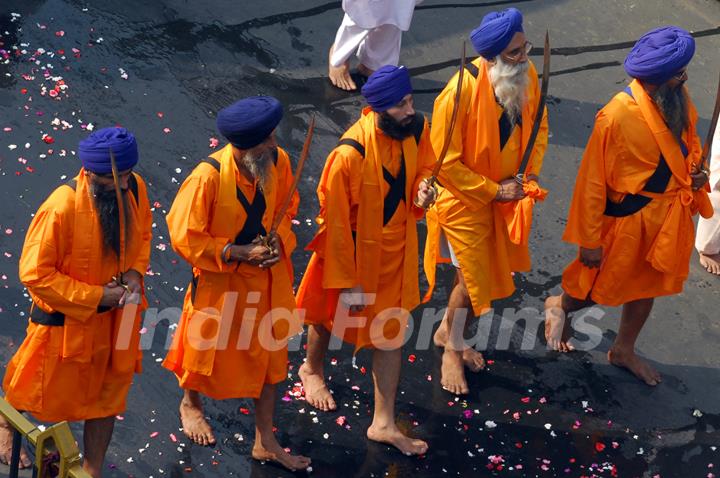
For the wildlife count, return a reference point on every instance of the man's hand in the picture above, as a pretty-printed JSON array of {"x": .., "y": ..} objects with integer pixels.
[
  {"x": 256, "y": 254},
  {"x": 133, "y": 294},
  {"x": 509, "y": 190},
  {"x": 425, "y": 195},
  {"x": 699, "y": 177},
  {"x": 277, "y": 251},
  {"x": 112, "y": 293},
  {"x": 353, "y": 298},
  {"x": 591, "y": 257}
]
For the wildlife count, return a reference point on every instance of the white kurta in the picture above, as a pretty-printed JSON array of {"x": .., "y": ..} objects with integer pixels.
[
  {"x": 372, "y": 29},
  {"x": 371, "y": 14},
  {"x": 707, "y": 240}
]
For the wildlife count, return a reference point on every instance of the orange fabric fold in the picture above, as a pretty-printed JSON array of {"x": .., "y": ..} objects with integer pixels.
[
  {"x": 351, "y": 195},
  {"x": 220, "y": 331},
  {"x": 83, "y": 369}
]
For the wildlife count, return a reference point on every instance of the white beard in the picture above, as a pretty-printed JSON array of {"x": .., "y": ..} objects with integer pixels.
[
  {"x": 259, "y": 166},
  {"x": 510, "y": 84}
]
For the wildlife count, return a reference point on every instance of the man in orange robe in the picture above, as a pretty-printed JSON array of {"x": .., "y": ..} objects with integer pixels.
[
  {"x": 82, "y": 346},
  {"x": 366, "y": 195},
  {"x": 481, "y": 220},
  {"x": 231, "y": 341},
  {"x": 638, "y": 187}
]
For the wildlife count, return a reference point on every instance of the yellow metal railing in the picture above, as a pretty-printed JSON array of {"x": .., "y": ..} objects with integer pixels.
[{"x": 54, "y": 446}]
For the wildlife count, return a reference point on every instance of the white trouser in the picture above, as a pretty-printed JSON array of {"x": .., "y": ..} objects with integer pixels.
[
  {"x": 707, "y": 239},
  {"x": 374, "y": 48}
]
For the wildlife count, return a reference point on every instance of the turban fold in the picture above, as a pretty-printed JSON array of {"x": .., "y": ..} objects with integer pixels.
[
  {"x": 387, "y": 87},
  {"x": 248, "y": 122},
  {"x": 495, "y": 32},
  {"x": 659, "y": 54},
  {"x": 94, "y": 151}
]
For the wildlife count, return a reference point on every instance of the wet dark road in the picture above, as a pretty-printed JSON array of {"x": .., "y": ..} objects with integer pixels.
[{"x": 163, "y": 69}]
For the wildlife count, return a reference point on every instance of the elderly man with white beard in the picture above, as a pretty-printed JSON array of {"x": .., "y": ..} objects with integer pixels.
[{"x": 480, "y": 222}]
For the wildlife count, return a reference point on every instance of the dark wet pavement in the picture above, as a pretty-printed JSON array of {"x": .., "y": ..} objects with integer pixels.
[{"x": 164, "y": 68}]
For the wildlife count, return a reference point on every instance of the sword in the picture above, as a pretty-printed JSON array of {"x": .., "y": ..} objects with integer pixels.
[
  {"x": 286, "y": 204},
  {"x": 121, "y": 217},
  {"x": 707, "y": 148},
  {"x": 519, "y": 177},
  {"x": 453, "y": 119}
]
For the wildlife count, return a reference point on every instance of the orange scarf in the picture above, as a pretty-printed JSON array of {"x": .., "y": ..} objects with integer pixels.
[
  {"x": 664, "y": 252},
  {"x": 483, "y": 139}
]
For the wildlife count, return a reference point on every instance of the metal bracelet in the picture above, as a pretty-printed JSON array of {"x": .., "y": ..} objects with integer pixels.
[{"x": 224, "y": 253}]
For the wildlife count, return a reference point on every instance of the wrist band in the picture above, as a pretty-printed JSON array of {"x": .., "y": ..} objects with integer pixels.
[{"x": 224, "y": 253}]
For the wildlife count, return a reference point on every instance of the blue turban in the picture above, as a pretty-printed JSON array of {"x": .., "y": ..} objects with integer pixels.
[
  {"x": 659, "y": 54},
  {"x": 248, "y": 122},
  {"x": 387, "y": 87},
  {"x": 495, "y": 32},
  {"x": 94, "y": 151}
]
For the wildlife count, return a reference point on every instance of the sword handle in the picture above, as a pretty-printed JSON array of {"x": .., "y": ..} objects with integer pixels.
[{"x": 431, "y": 184}]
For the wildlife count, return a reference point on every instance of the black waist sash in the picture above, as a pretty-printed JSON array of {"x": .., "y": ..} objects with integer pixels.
[
  {"x": 657, "y": 183},
  {"x": 55, "y": 319}
]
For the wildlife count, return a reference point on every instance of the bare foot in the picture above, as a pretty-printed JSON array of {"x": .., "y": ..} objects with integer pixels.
[
  {"x": 629, "y": 360},
  {"x": 472, "y": 359},
  {"x": 711, "y": 263},
  {"x": 340, "y": 75},
  {"x": 193, "y": 421},
  {"x": 272, "y": 451},
  {"x": 6, "y": 439},
  {"x": 452, "y": 373},
  {"x": 393, "y": 436},
  {"x": 316, "y": 391},
  {"x": 364, "y": 70},
  {"x": 440, "y": 337},
  {"x": 557, "y": 329}
]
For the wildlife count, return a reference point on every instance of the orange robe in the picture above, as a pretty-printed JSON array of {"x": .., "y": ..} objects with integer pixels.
[
  {"x": 83, "y": 369},
  {"x": 385, "y": 261},
  {"x": 645, "y": 254},
  {"x": 488, "y": 238},
  {"x": 217, "y": 348}
]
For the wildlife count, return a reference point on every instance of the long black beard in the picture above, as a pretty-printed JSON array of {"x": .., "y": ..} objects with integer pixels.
[
  {"x": 107, "y": 211},
  {"x": 395, "y": 130},
  {"x": 673, "y": 104}
]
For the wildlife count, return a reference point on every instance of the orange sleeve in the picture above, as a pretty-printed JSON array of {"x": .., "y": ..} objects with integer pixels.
[
  {"x": 189, "y": 222},
  {"x": 585, "y": 219},
  {"x": 425, "y": 164},
  {"x": 142, "y": 261},
  {"x": 339, "y": 268},
  {"x": 46, "y": 245},
  {"x": 285, "y": 180},
  {"x": 473, "y": 189}
]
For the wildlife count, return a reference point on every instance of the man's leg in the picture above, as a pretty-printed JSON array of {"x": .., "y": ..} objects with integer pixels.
[
  {"x": 380, "y": 48},
  {"x": 451, "y": 335},
  {"x": 347, "y": 40},
  {"x": 386, "y": 373},
  {"x": 558, "y": 330},
  {"x": 96, "y": 439},
  {"x": 707, "y": 239},
  {"x": 312, "y": 371},
  {"x": 193, "y": 420},
  {"x": 6, "y": 439},
  {"x": 622, "y": 352},
  {"x": 266, "y": 447}
]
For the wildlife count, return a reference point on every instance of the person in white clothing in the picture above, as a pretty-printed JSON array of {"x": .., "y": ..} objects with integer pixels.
[
  {"x": 707, "y": 240},
  {"x": 372, "y": 30}
]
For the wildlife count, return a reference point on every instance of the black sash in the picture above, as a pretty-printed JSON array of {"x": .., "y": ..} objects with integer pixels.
[
  {"x": 55, "y": 319},
  {"x": 396, "y": 192},
  {"x": 397, "y": 184},
  {"x": 657, "y": 183},
  {"x": 255, "y": 211}
]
